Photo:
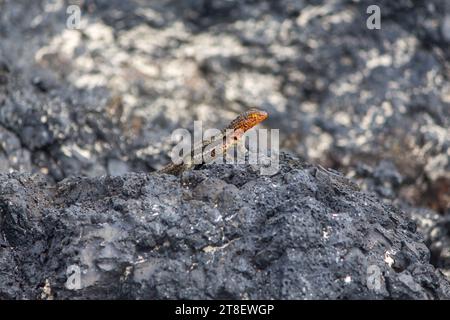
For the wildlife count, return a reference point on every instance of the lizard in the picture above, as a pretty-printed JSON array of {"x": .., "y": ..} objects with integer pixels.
[{"x": 210, "y": 149}]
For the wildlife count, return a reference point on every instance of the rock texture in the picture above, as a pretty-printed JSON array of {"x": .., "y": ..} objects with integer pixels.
[{"x": 218, "y": 232}]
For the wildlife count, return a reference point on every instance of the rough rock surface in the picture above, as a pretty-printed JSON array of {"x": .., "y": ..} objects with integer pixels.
[{"x": 218, "y": 232}]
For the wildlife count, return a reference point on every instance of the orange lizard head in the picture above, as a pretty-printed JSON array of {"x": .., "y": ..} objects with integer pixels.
[{"x": 248, "y": 119}]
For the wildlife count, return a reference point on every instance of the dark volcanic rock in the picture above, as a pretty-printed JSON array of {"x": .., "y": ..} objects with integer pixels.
[{"x": 216, "y": 232}]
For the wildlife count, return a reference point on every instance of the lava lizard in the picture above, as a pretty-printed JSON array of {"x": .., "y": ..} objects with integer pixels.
[{"x": 210, "y": 149}]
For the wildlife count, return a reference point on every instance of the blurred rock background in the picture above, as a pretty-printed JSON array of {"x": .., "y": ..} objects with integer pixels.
[{"x": 104, "y": 99}]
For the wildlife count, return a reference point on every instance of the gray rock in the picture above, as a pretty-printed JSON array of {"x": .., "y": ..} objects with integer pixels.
[{"x": 153, "y": 236}]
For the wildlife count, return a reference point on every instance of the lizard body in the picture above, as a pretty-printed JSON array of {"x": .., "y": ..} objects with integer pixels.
[{"x": 210, "y": 149}]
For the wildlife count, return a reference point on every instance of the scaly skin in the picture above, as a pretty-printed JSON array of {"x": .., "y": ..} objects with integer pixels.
[{"x": 211, "y": 149}]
